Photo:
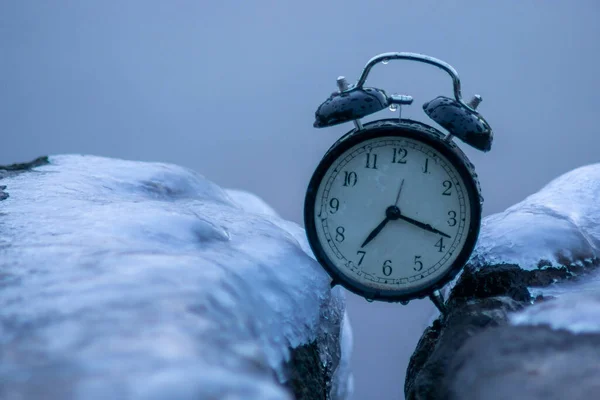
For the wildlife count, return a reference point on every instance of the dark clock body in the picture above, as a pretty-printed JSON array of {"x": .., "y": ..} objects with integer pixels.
[{"x": 393, "y": 210}]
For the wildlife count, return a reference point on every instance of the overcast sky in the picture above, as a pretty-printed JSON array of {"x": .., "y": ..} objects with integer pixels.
[{"x": 229, "y": 89}]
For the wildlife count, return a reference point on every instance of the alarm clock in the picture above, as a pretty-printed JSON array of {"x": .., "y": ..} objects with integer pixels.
[{"x": 393, "y": 210}]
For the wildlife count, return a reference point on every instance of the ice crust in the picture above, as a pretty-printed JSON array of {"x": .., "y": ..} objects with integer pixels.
[
  {"x": 131, "y": 280},
  {"x": 250, "y": 202},
  {"x": 557, "y": 226},
  {"x": 577, "y": 312}
]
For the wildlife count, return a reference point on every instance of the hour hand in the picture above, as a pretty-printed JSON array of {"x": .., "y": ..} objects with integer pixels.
[
  {"x": 375, "y": 232},
  {"x": 421, "y": 225}
]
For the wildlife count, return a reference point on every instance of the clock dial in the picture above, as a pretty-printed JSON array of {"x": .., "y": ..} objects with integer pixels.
[{"x": 392, "y": 214}]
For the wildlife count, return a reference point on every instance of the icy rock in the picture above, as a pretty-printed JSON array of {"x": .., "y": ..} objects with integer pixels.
[
  {"x": 250, "y": 202},
  {"x": 577, "y": 312},
  {"x": 522, "y": 318},
  {"x": 131, "y": 280},
  {"x": 559, "y": 225}
]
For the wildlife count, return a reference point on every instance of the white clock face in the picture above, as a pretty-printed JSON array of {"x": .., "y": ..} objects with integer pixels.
[{"x": 392, "y": 214}]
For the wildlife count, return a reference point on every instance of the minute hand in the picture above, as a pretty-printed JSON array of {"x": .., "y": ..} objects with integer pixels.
[{"x": 421, "y": 225}]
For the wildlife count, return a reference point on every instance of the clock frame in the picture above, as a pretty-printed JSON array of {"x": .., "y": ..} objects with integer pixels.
[{"x": 396, "y": 128}]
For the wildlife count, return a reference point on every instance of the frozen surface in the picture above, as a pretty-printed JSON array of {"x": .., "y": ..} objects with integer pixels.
[
  {"x": 135, "y": 280},
  {"x": 251, "y": 202},
  {"x": 343, "y": 382},
  {"x": 559, "y": 225},
  {"x": 576, "y": 312},
  {"x": 573, "y": 305}
]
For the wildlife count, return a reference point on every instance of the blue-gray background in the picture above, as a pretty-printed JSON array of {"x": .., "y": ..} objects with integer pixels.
[{"x": 229, "y": 88}]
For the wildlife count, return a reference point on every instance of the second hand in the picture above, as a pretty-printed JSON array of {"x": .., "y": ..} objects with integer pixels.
[{"x": 399, "y": 191}]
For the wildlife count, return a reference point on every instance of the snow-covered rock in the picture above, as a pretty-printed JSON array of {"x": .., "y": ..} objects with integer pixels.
[
  {"x": 577, "y": 312},
  {"x": 250, "y": 202},
  {"x": 523, "y": 316},
  {"x": 559, "y": 225},
  {"x": 131, "y": 280}
]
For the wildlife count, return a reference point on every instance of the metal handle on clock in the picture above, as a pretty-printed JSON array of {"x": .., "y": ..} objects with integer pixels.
[{"x": 419, "y": 58}]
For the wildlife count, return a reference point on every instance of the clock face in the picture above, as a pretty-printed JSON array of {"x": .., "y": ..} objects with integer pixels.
[{"x": 392, "y": 215}]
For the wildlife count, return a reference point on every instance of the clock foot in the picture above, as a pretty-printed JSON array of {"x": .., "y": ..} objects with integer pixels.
[{"x": 438, "y": 300}]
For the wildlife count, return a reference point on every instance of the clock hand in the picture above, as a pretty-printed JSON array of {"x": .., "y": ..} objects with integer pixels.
[
  {"x": 399, "y": 191},
  {"x": 375, "y": 231},
  {"x": 391, "y": 213},
  {"x": 427, "y": 227},
  {"x": 398, "y": 215}
]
